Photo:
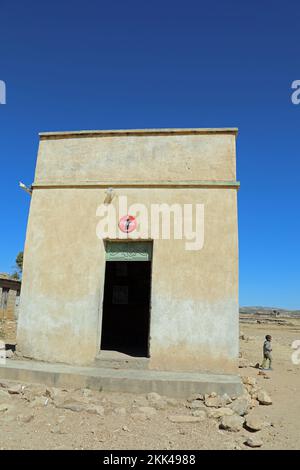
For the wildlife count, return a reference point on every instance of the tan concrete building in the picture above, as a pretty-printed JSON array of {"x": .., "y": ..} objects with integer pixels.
[{"x": 143, "y": 293}]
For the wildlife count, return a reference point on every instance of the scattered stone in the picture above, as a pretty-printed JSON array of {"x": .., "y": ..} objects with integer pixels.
[
  {"x": 71, "y": 404},
  {"x": 200, "y": 414},
  {"x": 31, "y": 392},
  {"x": 249, "y": 381},
  {"x": 7, "y": 383},
  {"x": 78, "y": 407},
  {"x": 210, "y": 395},
  {"x": 241, "y": 406},
  {"x": 254, "y": 392},
  {"x": 125, "y": 428},
  {"x": 253, "y": 442},
  {"x": 232, "y": 423},
  {"x": 184, "y": 419},
  {"x": 39, "y": 402},
  {"x": 196, "y": 404},
  {"x": 15, "y": 389},
  {"x": 253, "y": 424},
  {"x": 217, "y": 401},
  {"x": 226, "y": 398},
  {"x": 196, "y": 396},
  {"x": 264, "y": 398},
  {"x": 220, "y": 412},
  {"x": 55, "y": 393}
]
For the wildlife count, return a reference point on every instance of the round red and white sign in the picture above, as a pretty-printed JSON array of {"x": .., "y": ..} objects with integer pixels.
[{"x": 127, "y": 223}]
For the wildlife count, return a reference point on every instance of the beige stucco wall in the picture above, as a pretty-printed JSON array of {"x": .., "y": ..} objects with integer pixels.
[
  {"x": 194, "y": 313},
  {"x": 205, "y": 156}
]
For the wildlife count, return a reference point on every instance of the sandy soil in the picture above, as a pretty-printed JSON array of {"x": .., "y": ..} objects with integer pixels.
[{"x": 29, "y": 424}]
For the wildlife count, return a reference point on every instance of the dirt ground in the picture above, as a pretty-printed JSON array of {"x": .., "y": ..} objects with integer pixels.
[{"x": 32, "y": 416}]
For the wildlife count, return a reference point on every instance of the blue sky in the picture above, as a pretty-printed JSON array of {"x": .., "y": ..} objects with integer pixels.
[{"x": 134, "y": 64}]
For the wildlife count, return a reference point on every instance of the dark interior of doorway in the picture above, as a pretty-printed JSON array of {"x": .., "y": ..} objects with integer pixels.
[{"x": 126, "y": 307}]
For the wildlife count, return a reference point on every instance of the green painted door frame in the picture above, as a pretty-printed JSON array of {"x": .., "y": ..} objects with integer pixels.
[{"x": 128, "y": 251}]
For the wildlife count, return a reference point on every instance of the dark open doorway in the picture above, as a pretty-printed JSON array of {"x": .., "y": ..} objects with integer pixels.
[{"x": 126, "y": 307}]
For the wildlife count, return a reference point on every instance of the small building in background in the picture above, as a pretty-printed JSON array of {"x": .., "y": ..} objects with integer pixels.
[{"x": 9, "y": 297}]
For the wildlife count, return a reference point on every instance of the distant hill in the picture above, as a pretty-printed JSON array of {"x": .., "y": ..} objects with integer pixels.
[{"x": 269, "y": 311}]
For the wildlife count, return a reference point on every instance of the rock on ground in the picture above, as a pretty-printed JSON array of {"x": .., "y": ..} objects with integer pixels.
[
  {"x": 219, "y": 412},
  {"x": 15, "y": 389},
  {"x": 196, "y": 396},
  {"x": 196, "y": 404},
  {"x": 232, "y": 423},
  {"x": 241, "y": 406},
  {"x": 264, "y": 398},
  {"x": 253, "y": 424},
  {"x": 249, "y": 381},
  {"x": 253, "y": 442},
  {"x": 39, "y": 402},
  {"x": 216, "y": 401},
  {"x": 200, "y": 414}
]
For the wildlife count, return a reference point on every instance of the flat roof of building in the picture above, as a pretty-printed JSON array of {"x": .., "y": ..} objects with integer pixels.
[
  {"x": 8, "y": 281},
  {"x": 137, "y": 132}
]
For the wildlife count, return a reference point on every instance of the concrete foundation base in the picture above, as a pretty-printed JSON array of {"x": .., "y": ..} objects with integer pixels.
[{"x": 172, "y": 384}]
